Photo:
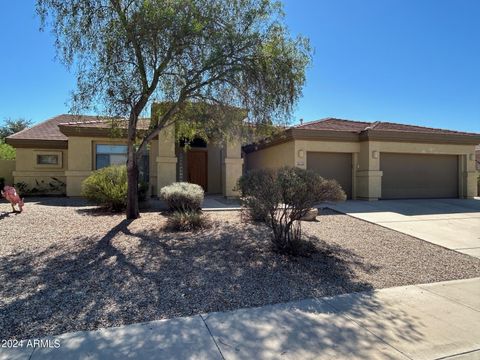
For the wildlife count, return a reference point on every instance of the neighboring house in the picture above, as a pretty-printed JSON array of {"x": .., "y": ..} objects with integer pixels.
[
  {"x": 378, "y": 160},
  {"x": 370, "y": 160},
  {"x": 477, "y": 157}
]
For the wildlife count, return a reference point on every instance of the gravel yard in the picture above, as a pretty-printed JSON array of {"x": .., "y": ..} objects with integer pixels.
[{"x": 64, "y": 267}]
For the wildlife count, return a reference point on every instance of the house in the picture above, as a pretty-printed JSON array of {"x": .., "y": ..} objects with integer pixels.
[
  {"x": 68, "y": 148},
  {"x": 378, "y": 160},
  {"x": 371, "y": 161},
  {"x": 477, "y": 157}
]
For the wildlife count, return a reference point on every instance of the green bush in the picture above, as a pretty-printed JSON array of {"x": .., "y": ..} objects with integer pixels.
[
  {"x": 183, "y": 196},
  {"x": 6, "y": 152},
  {"x": 284, "y": 196},
  {"x": 187, "y": 221},
  {"x": 107, "y": 187}
]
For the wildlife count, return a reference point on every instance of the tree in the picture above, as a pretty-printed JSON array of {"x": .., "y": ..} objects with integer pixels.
[
  {"x": 11, "y": 126},
  {"x": 128, "y": 53}
]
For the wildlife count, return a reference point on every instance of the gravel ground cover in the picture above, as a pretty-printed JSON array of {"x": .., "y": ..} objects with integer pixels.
[{"x": 66, "y": 267}]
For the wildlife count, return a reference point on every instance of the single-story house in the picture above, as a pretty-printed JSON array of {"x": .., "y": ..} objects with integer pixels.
[
  {"x": 379, "y": 160},
  {"x": 371, "y": 161},
  {"x": 67, "y": 148}
]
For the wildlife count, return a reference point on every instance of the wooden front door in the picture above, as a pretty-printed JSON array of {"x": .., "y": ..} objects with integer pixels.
[{"x": 197, "y": 168}]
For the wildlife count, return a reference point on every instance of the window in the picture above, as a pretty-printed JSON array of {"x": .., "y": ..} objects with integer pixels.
[
  {"x": 47, "y": 159},
  {"x": 107, "y": 155}
]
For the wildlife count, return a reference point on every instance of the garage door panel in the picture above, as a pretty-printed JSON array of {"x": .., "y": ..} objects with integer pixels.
[
  {"x": 336, "y": 166},
  {"x": 419, "y": 176}
]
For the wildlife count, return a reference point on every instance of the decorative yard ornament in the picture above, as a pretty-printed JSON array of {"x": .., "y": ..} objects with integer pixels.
[{"x": 11, "y": 195}]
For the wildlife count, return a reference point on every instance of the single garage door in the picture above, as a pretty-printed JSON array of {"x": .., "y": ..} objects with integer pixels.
[
  {"x": 336, "y": 166},
  {"x": 417, "y": 176}
]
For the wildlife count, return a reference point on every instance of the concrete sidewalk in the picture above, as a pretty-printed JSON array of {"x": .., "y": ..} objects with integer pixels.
[{"x": 433, "y": 321}]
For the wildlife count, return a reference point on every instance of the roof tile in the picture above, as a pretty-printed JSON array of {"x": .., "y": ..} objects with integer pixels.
[{"x": 359, "y": 126}]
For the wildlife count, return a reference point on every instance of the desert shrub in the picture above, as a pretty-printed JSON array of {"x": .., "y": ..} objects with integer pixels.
[
  {"x": 107, "y": 187},
  {"x": 187, "y": 221},
  {"x": 286, "y": 195},
  {"x": 253, "y": 208},
  {"x": 183, "y": 196}
]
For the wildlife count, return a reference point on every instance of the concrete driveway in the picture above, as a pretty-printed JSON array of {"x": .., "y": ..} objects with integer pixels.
[{"x": 451, "y": 223}]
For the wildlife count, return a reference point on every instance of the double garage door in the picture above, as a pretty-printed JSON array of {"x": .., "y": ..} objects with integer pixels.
[
  {"x": 405, "y": 176},
  {"x": 417, "y": 176}
]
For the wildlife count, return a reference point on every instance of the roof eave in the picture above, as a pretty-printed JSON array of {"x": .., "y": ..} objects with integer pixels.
[
  {"x": 70, "y": 130},
  {"x": 406, "y": 136},
  {"x": 37, "y": 143},
  {"x": 302, "y": 134}
]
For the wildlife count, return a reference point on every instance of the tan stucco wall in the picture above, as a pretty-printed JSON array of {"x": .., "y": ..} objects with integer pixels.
[
  {"x": 272, "y": 157},
  {"x": 7, "y": 167},
  {"x": 152, "y": 163},
  {"x": 214, "y": 168},
  {"x": 367, "y": 175},
  {"x": 165, "y": 159},
  {"x": 81, "y": 160},
  {"x": 28, "y": 172}
]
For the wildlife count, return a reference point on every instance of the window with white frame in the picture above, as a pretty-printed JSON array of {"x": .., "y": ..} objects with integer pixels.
[{"x": 106, "y": 155}]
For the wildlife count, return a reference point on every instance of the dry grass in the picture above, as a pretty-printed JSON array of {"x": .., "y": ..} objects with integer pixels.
[{"x": 64, "y": 267}]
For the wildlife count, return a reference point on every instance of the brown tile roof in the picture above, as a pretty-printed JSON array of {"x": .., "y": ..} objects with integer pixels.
[
  {"x": 46, "y": 130},
  {"x": 49, "y": 129},
  {"x": 359, "y": 126},
  {"x": 143, "y": 123}
]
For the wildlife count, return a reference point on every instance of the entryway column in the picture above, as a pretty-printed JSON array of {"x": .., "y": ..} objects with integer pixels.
[
  {"x": 232, "y": 167},
  {"x": 368, "y": 175},
  {"x": 166, "y": 159},
  {"x": 468, "y": 176}
]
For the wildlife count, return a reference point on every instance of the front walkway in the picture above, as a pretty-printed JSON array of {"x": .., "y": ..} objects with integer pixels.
[
  {"x": 451, "y": 223},
  {"x": 432, "y": 321}
]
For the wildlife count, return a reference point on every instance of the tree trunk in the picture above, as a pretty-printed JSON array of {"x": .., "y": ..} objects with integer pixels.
[{"x": 132, "y": 189}]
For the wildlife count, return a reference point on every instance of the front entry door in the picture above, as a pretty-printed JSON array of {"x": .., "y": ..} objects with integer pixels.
[{"x": 197, "y": 168}]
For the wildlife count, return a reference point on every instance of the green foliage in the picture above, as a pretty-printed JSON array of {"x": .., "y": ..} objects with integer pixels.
[
  {"x": 187, "y": 221},
  {"x": 107, "y": 187},
  {"x": 7, "y": 152},
  {"x": 183, "y": 196},
  {"x": 284, "y": 196},
  {"x": 11, "y": 126}
]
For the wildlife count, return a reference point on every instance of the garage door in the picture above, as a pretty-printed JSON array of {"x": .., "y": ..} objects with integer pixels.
[
  {"x": 336, "y": 166},
  {"x": 419, "y": 176}
]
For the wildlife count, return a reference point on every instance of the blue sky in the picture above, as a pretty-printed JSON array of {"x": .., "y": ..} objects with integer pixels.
[{"x": 408, "y": 61}]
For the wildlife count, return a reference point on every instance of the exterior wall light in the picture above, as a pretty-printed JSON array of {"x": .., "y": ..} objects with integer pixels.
[
  {"x": 375, "y": 154},
  {"x": 301, "y": 154},
  {"x": 472, "y": 157}
]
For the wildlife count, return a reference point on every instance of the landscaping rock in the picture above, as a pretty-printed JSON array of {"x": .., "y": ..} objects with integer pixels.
[{"x": 311, "y": 215}]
